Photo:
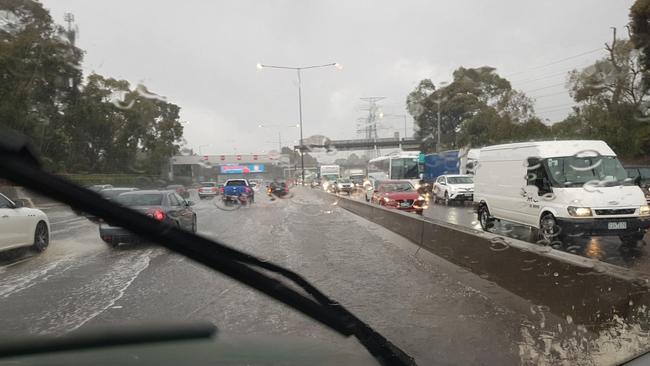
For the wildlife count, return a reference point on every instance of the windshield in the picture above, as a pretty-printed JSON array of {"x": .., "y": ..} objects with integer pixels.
[
  {"x": 450, "y": 172},
  {"x": 112, "y": 193},
  {"x": 144, "y": 199},
  {"x": 396, "y": 187},
  {"x": 404, "y": 168},
  {"x": 576, "y": 171},
  {"x": 460, "y": 180},
  {"x": 235, "y": 183}
]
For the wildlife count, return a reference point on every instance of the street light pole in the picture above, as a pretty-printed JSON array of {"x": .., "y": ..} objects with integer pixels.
[
  {"x": 302, "y": 158},
  {"x": 438, "y": 133},
  {"x": 442, "y": 85},
  {"x": 298, "y": 69}
]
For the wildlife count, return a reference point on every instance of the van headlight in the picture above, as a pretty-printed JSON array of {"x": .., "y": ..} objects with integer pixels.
[
  {"x": 579, "y": 211},
  {"x": 644, "y": 210}
]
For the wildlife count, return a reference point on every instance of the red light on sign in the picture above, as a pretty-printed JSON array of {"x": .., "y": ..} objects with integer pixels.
[
  {"x": 254, "y": 157},
  {"x": 223, "y": 157},
  {"x": 238, "y": 157}
]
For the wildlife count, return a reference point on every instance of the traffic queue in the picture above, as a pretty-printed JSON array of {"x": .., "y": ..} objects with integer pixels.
[{"x": 559, "y": 189}]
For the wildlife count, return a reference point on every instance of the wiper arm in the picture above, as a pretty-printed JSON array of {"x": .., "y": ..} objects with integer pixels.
[{"x": 18, "y": 164}]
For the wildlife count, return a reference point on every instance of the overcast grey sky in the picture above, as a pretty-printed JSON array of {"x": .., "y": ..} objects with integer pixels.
[{"x": 202, "y": 56}]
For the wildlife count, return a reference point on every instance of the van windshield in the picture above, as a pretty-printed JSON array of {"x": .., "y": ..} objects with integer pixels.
[{"x": 572, "y": 171}]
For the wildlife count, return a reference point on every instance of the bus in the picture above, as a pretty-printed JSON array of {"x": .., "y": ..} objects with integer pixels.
[{"x": 402, "y": 165}]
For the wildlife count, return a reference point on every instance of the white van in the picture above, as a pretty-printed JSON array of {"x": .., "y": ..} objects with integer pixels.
[{"x": 560, "y": 188}]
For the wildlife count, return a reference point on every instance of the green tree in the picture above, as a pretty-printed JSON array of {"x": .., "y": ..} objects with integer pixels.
[
  {"x": 477, "y": 108},
  {"x": 40, "y": 70},
  {"x": 612, "y": 98},
  {"x": 640, "y": 34}
]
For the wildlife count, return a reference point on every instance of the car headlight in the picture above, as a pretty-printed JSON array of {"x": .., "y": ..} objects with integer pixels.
[
  {"x": 644, "y": 210},
  {"x": 386, "y": 199},
  {"x": 579, "y": 211},
  {"x": 422, "y": 198}
]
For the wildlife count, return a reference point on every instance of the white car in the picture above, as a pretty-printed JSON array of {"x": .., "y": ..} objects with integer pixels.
[
  {"x": 453, "y": 187},
  {"x": 22, "y": 226}
]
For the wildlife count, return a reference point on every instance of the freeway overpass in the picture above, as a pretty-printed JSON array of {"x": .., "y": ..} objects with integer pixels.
[{"x": 367, "y": 144}]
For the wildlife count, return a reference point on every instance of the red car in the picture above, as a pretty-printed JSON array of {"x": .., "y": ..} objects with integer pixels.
[{"x": 400, "y": 195}]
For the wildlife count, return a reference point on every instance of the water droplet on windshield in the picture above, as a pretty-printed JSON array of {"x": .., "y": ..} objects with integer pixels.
[
  {"x": 555, "y": 274},
  {"x": 498, "y": 244},
  {"x": 569, "y": 319},
  {"x": 143, "y": 92},
  {"x": 548, "y": 196}
]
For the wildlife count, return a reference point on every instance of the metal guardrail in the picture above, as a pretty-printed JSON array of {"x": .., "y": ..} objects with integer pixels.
[{"x": 590, "y": 291}]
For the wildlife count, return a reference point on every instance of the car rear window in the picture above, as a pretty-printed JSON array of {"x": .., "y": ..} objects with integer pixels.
[
  {"x": 208, "y": 184},
  {"x": 236, "y": 183},
  {"x": 145, "y": 199},
  {"x": 397, "y": 187},
  {"x": 112, "y": 193}
]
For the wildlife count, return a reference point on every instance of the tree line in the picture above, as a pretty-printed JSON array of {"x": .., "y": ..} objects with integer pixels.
[
  {"x": 94, "y": 124},
  {"x": 480, "y": 107}
]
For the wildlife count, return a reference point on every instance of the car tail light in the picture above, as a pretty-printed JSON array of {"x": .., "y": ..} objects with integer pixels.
[
  {"x": 247, "y": 190},
  {"x": 157, "y": 214},
  {"x": 222, "y": 190},
  {"x": 214, "y": 189}
]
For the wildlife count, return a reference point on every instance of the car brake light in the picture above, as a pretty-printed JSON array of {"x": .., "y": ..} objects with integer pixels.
[
  {"x": 214, "y": 189},
  {"x": 157, "y": 214},
  {"x": 247, "y": 190},
  {"x": 222, "y": 190}
]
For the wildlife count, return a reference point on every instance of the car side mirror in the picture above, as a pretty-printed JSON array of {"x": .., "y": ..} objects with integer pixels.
[
  {"x": 189, "y": 203},
  {"x": 443, "y": 183},
  {"x": 19, "y": 203}
]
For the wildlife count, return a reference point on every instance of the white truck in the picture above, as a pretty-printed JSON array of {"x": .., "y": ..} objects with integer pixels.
[
  {"x": 328, "y": 175},
  {"x": 560, "y": 189},
  {"x": 356, "y": 176}
]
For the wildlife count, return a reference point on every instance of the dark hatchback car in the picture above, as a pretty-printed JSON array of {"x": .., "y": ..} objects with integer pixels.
[{"x": 165, "y": 206}]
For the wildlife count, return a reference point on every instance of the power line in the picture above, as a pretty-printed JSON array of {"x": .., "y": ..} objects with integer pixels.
[
  {"x": 546, "y": 76},
  {"x": 545, "y": 87},
  {"x": 554, "y": 110},
  {"x": 555, "y": 106},
  {"x": 556, "y": 62},
  {"x": 550, "y": 95}
]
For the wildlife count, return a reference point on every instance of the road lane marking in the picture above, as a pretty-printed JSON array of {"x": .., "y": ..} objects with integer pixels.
[
  {"x": 16, "y": 283},
  {"x": 104, "y": 287}
]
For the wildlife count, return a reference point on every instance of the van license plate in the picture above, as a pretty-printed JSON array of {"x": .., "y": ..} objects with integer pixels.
[{"x": 617, "y": 225}]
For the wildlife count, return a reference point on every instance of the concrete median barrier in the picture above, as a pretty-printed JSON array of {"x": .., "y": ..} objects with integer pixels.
[{"x": 589, "y": 291}]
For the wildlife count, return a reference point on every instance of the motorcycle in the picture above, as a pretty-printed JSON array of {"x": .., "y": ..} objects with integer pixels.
[{"x": 279, "y": 191}]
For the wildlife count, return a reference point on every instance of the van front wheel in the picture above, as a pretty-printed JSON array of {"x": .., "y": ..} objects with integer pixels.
[{"x": 484, "y": 218}]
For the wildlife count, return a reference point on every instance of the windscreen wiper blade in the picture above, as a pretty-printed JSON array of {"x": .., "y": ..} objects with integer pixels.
[
  {"x": 19, "y": 164},
  {"x": 107, "y": 337}
]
